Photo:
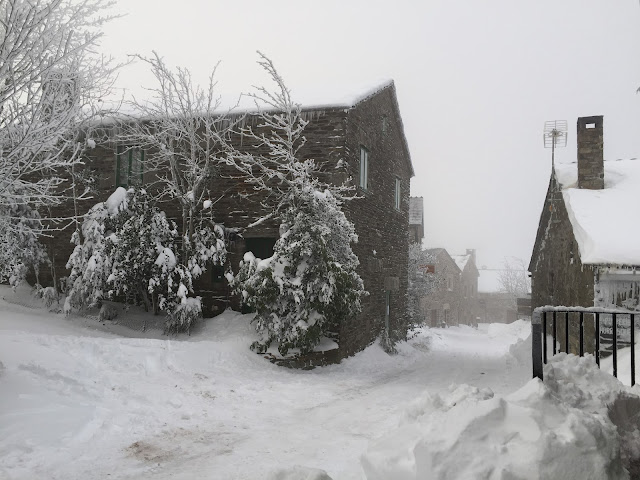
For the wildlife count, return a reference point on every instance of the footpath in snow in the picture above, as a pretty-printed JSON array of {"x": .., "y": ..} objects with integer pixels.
[{"x": 78, "y": 401}]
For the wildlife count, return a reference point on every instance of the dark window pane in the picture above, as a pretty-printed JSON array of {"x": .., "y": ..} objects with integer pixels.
[{"x": 261, "y": 247}]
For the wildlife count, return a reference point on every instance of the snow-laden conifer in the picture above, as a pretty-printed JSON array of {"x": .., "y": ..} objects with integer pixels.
[
  {"x": 128, "y": 250},
  {"x": 186, "y": 139},
  {"x": 310, "y": 284}
]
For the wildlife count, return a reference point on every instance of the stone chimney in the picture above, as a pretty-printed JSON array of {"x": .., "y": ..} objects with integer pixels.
[
  {"x": 472, "y": 253},
  {"x": 590, "y": 153}
]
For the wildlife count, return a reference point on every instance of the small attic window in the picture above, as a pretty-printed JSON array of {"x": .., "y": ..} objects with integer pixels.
[{"x": 590, "y": 125}]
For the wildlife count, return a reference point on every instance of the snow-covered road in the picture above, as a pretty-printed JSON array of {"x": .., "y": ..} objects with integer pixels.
[{"x": 81, "y": 403}]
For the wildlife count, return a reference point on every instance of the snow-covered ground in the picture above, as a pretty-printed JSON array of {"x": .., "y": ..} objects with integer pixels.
[
  {"x": 80, "y": 401},
  {"x": 77, "y": 401}
]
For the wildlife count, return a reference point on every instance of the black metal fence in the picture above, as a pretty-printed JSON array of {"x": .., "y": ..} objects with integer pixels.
[{"x": 545, "y": 321}]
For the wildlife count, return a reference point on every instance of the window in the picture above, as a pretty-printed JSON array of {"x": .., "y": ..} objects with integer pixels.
[
  {"x": 364, "y": 168},
  {"x": 129, "y": 166},
  {"x": 261, "y": 247},
  {"x": 217, "y": 274},
  {"x": 397, "y": 194}
]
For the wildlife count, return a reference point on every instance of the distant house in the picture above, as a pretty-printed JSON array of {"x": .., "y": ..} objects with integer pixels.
[
  {"x": 416, "y": 219},
  {"x": 468, "y": 287},
  {"x": 454, "y": 301},
  {"x": 360, "y": 140},
  {"x": 494, "y": 304},
  {"x": 586, "y": 252}
]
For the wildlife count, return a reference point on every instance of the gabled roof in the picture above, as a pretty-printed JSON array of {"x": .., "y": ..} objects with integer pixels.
[
  {"x": 461, "y": 260},
  {"x": 390, "y": 85},
  {"x": 604, "y": 221},
  {"x": 441, "y": 253}
]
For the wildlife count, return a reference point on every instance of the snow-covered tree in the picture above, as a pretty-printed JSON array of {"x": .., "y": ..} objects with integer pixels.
[
  {"x": 90, "y": 266},
  {"x": 513, "y": 278},
  {"x": 310, "y": 283},
  {"x": 130, "y": 251},
  {"x": 276, "y": 175},
  {"x": 185, "y": 137},
  {"x": 52, "y": 81},
  {"x": 139, "y": 245}
]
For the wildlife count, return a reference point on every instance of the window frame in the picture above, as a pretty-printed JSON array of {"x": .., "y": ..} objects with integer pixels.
[
  {"x": 364, "y": 168},
  {"x": 126, "y": 153},
  {"x": 397, "y": 193}
]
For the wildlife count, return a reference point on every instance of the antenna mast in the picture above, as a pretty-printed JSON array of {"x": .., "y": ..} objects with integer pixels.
[{"x": 555, "y": 135}]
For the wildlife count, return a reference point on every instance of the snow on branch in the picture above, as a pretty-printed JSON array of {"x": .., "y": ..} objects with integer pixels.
[
  {"x": 52, "y": 82},
  {"x": 185, "y": 137},
  {"x": 279, "y": 173}
]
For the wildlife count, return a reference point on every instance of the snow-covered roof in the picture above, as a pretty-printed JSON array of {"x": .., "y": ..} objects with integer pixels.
[
  {"x": 461, "y": 260},
  {"x": 603, "y": 221},
  {"x": 416, "y": 209}
]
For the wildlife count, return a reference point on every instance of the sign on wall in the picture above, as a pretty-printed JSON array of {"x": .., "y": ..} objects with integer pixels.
[{"x": 623, "y": 323}]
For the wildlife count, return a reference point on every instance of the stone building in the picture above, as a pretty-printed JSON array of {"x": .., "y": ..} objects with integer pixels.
[
  {"x": 362, "y": 141},
  {"x": 454, "y": 301},
  {"x": 441, "y": 306},
  {"x": 586, "y": 251},
  {"x": 468, "y": 303},
  {"x": 495, "y": 305}
]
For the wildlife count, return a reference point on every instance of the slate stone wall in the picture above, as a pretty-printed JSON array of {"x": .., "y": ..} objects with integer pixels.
[
  {"x": 383, "y": 230},
  {"x": 558, "y": 277}
]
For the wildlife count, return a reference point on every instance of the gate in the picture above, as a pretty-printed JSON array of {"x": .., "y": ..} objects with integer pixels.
[{"x": 548, "y": 318}]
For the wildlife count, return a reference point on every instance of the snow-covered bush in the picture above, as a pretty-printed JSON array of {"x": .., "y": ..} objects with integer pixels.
[
  {"x": 388, "y": 342},
  {"x": 20, "y": 250},
  {"x": 89, "y": 263},
  {"x": 129, "y": 250},
  {"x": 140, "y": 242},
  {"x": 49, "y": 295},
  {"x": 309, "y": 285},
  {"x": 184, "y": 315},
  {"x": 107, "y": 312}
]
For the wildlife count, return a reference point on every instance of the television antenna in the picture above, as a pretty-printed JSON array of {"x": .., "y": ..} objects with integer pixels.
[{"x": 555, "y": 135}]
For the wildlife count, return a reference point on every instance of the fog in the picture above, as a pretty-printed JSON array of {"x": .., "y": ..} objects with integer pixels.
[{"x": 475, "y": 83}]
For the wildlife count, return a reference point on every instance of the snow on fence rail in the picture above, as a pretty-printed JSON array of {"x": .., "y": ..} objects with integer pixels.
[{"x": 539, "y": 329}]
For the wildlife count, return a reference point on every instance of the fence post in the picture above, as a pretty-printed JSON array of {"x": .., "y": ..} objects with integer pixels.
[{"x": 536, "y": 344}]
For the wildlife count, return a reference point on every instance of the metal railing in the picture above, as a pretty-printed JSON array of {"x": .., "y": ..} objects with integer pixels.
[{"x": 539, "y": 332}]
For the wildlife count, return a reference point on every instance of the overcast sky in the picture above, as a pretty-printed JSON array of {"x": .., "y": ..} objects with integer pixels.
[{"x": 476, "y": 80}]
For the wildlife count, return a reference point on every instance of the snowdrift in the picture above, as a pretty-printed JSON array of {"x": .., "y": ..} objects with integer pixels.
[{"x": 551, "y": 430}]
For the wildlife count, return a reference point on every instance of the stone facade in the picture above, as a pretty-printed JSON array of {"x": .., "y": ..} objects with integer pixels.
[
  {"x": 558, "y": 276},
  {"x": 442, "y": 307},
  {"x": 468, "y": 304},
  {"x": 334, "y": 138}
]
